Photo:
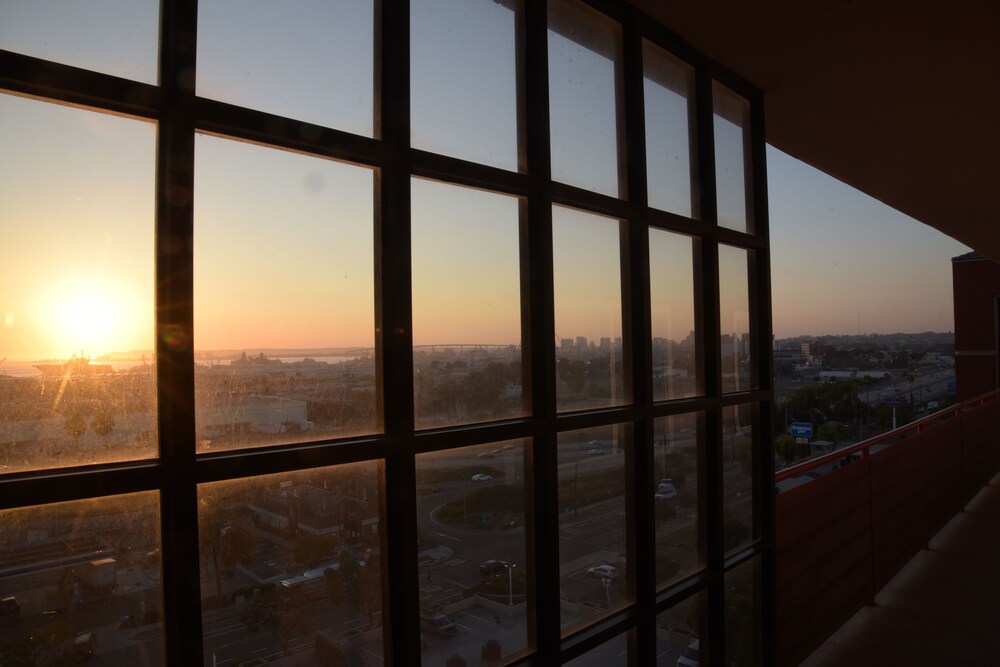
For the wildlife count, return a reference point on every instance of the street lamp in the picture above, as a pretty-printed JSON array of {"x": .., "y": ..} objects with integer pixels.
[{"x": 510, "y": 582}]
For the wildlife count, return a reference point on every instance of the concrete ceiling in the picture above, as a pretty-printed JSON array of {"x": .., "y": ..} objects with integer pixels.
[{"x": 899, "y": 99}]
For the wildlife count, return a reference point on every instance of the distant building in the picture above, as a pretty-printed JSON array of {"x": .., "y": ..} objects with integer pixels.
[{"x": 309, "y": 509}]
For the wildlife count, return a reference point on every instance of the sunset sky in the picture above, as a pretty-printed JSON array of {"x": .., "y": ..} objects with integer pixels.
[
  {"x": 284, "y": 242},
  {"x": 283, "y": 250}
]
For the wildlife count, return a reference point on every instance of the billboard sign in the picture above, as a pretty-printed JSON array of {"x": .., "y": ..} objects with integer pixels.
[{"x": 801, "y": 429}]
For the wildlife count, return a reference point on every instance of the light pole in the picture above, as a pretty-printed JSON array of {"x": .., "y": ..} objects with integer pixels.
[{"x": 510, "y": 582}]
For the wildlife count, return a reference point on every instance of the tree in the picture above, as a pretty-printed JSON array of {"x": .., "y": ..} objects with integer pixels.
[
  {"x": 310, "y": 550},
  {"x": 785, "y": 447},
  {"x": 262, "y": 612},
  {"x": 76, "y": 425},
  {"x": 237, "y": 543},
  {"x": 104, "y": 424},
  {"x": 223, "y": 543}
]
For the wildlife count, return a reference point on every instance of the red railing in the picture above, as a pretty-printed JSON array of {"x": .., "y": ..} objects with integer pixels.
[{"x": 848, "y": 521}]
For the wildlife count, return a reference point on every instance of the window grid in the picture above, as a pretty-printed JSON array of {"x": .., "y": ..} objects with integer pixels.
[{"x": 178, "y": 470}]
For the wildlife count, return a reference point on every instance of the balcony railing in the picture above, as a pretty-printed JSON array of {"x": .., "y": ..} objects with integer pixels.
[{"x": 848, "y": 521}]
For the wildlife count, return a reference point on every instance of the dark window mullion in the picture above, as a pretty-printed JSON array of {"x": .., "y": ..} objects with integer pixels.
[
  {"x": 762, "y": 323},
  {"x": 542, "y": 465},
  {"x": 175, "y": 340},
  {"x": 394, "y": 339},
  {"x": 710, "y": 340},
  {"x": 636, "y": 308}
]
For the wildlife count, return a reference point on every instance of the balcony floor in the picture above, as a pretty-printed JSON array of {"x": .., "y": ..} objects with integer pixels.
[{"x": 943, "y": 606}]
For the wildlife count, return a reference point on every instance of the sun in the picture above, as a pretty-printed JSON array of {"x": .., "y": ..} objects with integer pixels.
[{"x": 92, "y": 316}]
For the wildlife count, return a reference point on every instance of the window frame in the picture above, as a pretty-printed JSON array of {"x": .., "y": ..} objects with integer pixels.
[{"x": 180, "y": 114}]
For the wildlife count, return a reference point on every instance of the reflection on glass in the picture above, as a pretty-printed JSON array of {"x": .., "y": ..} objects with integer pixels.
[
  {"x": 584, "y": 78},
  {"x": 283, "y": 296},
  {"x": 742, "y": 614},
  {"x": 81, "y": 580},
  {"x": 315, "y": 63},
  {"x": 678, "y": 631},
  {"x": 117, "y": 37},
  {"x": 670, "y": 146},
  {"x": 671, "y": 285},
  {"x": 466, "y": 305},
  {"x": 680, "y": 537},
  {"x": 472, "y": 558},
  {"x": 732, "y": 159},
  {"x": 737, "y": 479},
  {"x": 612, "y": 653},
  {"x": 592, "y": 523},
  {"x": 734, "y": 319},
  {"x": 290, "y": 563},
  {"x": 463, "y": 79},
  {"x": 588, "y": 305},
  {"x": 77, "y": 381}
]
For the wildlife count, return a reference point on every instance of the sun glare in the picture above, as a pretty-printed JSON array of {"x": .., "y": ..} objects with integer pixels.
[{"x": 91, "y": 317}]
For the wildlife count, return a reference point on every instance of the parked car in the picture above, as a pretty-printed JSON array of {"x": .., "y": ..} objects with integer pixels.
[
  {"x": 481, "y": 477},
  {"x": 691, "y": 656},
  {"x": 666, "y": 490},
  {"x": 9, "y": 606},
  {"x": 491, "y": 568},
  {"x": 438, "y": 624},
  {"x": 603, "y": 572},
  {"x": 597, "y": 451},
  {"x": 85, "y": 644}
]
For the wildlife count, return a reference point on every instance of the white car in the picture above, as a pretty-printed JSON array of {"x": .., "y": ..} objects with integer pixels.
[
  {"x": 603, "y": 572},
  {"x": 666, "y": 490},
  {"x": 481, "y": 477},
  {"x": 691, "y": 656}
]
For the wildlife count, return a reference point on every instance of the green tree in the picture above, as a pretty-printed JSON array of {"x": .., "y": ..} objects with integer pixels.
[
  {"x": 785, "y": 447},
  {"x": 828, "y": 432}
]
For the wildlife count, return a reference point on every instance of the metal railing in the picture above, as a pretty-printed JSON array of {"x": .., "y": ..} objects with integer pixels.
[{"x": 848, "y": 521}]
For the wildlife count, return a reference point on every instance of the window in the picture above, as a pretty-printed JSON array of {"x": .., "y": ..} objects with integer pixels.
[{"x": 367, "y": 335}]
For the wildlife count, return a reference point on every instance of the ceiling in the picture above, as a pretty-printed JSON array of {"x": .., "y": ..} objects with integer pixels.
[{"x": 899, "y": 99}]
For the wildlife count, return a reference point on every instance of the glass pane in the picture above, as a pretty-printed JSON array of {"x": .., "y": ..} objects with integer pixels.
[
  {"x": 463, "y": 80},
  {"x": 291, "y": 563},
  {"x": 314, "y": 63},
  {"x": 117, "y": 37},
  {"x": 592, "y": 524},
  {"x": 675, "y": 343},
  {"x": 742, "y": 614},
  {"x": 737, "y": 480},
  {"x": 283, "y": 297},
  {"x": 612, "y": 653},
  {"x": 472, "y": 558},
  {"x": 584, "y": 79},
  {"x": 81, "y": 580},
  {"x": 678, "y": 633},
  {"x": 732, "y": 159},
  {"x": 670, "y": 143},
  {"x": 466, "y": 305},
  {"x": 680, "y": 529},
  {"x": 588, "y": 305},
  {"x": 734, "y": 319},
  {"x": 77, "y": 383}
]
